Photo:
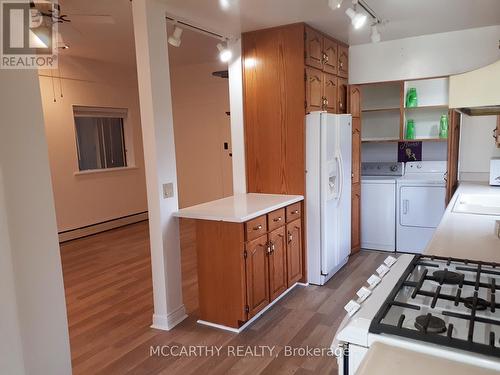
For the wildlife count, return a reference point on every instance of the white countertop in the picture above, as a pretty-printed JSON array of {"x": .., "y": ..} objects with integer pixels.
[
  {"x": 467, "y": 236},
  {"x": 238, "y": 208}
]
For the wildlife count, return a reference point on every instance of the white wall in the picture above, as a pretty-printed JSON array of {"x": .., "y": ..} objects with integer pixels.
[
  {"x": 200, "y": 102},
  {"x": 92, "y": 198},
  {"x": 388, "y": 152},
  {"x": 32, "y": 234},
  {"x": 424, "y": 56},
  {"x": 477, "y": 147}
]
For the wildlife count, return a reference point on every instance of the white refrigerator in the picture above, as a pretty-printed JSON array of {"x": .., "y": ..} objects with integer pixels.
[{"x": 328, "y": 194}]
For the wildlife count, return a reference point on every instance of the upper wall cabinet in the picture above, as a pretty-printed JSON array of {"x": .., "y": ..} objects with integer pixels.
[
  {"x": 313, "y": 48},
  {"x": 343, "y": 61},
  {"x": 322, "y": 52}
]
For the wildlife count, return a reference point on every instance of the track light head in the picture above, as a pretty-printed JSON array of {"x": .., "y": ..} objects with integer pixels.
[
  {"x": 375, "y": 35},
  {"x": 175, "y": 38},
  {"x": 335, "y": 4},
  {"x": 225, "y": 53},
  {"x": 357, "y": 19}
]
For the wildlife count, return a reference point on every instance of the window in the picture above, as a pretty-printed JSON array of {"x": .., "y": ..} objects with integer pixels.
[{"x": 100, "y": 137}]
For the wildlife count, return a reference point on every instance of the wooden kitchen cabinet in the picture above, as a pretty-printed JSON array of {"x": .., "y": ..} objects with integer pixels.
[
  {"x": 314, "y": 89},
  {"x": 277, "y": 263},
  {"x": 453, "y": 149},
  {"x": 294, "y": 251},
  {"x": 257, "y": 275},
  {"x": 356, "y": 218},
  {"x": 356, "y": 150},
  {"x": 342, "y": 95},
  {"x": 313, "y": 48},
  {"x": 355, "y": 100},
  {"x": 330, "y": 56},
  {"x": 243, "y": 267},
  {"x": 330, "y": 92},
  {"x": 343, "y": 68}
]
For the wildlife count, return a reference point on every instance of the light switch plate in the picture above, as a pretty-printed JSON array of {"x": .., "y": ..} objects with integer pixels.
[{"x": 168, "y": 190}]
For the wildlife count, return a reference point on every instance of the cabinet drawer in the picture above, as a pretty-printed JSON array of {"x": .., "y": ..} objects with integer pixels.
[
  {"x": 256, "y": 227},
  {"x": 293, "y": 212},
  {"x": 276, "y": 219}
]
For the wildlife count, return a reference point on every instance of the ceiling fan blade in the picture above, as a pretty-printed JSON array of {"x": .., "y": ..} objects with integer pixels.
[{"x": 92, "y": 18}]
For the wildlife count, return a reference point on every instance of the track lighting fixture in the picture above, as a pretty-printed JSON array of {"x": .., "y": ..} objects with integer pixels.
[
  {"x": 335, "y": 4},
  {"x": 375, "y": 35},
  {"x": 225, "y": 53},
  {"x": 175, "y": 38},
  {"x": 357, "y": 19}
]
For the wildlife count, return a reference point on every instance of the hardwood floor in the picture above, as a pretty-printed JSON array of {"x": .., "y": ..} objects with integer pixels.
[{"x": 109, "y": 299}]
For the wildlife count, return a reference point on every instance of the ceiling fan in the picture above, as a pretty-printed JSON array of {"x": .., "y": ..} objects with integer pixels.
[{"x": 54, "y": 14}]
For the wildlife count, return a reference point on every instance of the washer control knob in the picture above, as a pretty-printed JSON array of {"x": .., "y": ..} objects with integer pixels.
[{"x": 394, "y": 168}]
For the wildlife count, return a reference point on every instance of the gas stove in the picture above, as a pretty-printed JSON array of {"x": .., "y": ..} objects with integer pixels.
[{"x": 445, "y": 301}]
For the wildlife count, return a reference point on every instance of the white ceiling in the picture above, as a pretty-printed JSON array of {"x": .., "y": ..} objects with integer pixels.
[{"x": 114, "y": 42}]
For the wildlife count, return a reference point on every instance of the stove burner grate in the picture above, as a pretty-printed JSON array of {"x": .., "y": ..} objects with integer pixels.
[
  {"x": 430, "y": 324},
  {"x": 447, "y": 277},
  {"x": 481, "y": 304}
]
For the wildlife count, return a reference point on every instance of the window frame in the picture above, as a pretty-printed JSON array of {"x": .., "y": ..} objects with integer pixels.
[{"x": 127, "y": 136}]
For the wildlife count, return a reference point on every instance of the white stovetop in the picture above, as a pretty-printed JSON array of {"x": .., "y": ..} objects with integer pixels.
[
  {"x": 239, "y": 207},
  {"x": 467, "y": 236}
]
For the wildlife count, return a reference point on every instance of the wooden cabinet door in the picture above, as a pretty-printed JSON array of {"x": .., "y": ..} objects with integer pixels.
[
  {"x": 257, "y": 275},
  {"x": 356, "y": 218},
  {"x": 330, "y": 93},
  {"x": 453, "y": 146},
  {"x": 343, "y": 64},
  {"x": 313, "y": 48},
  {"x": 356, "y": 150},
  {"x": 330, "y": 56},
  {"x": 314, "y": 90},
  {"x": 277, "y": 263},
  {"x": 342, "y": 95},
  {"x": 355, "y": 100},
  {"x": 294, "y": 251}
]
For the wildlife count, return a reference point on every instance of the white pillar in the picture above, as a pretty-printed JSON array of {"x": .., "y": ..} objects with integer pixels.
[
  {"x": 153, "y": 75},
  {"x": 33, "y": 325},
  {"x": 236, "y": 108}
]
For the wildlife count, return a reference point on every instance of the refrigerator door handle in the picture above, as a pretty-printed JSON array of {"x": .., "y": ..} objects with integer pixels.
[{"x": 340, "y": 170}]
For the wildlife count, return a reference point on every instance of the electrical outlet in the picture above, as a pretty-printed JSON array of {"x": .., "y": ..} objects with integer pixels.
[{"x": 168, "y": 190}]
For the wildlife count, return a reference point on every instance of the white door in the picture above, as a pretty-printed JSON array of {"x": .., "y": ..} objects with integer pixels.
[{"x": 421, "y": 206}]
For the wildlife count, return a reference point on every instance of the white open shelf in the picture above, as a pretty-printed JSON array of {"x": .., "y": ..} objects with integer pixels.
[
  {"x": 430, "y": 92},
  {"x": 380, "y": 125},
  {"x": 426, "y": 122},
  {"x": 380, "y": 96}
]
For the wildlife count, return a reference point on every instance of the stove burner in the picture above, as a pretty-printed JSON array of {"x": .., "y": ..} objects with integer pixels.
[
  {"x": 447, "y": 277},
  {"x": 434, "y": 325},
  {"x": 482, "y": 304}
]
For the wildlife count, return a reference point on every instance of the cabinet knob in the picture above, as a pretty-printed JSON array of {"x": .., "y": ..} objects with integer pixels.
[
  {"x": 325, "y": 57},
  {"x": 290, "y": 237},
  {"x": 295, "y": 212},
  {"x": 277, "y": 219},
  {"x": 258, "y": 227},
  {"x": 341, "y": 64}
]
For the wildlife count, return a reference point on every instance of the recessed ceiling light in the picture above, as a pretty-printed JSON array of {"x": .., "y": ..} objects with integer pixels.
[
  {"x": 225, "y": 53},
  {"x": 175, "y": 38},
  {"x": 357, "y": 19}
]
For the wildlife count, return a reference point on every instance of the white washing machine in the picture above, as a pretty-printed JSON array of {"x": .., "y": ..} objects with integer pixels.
[
  {"x": 378, "y": 205},
  {"x": 421, "y": 195}
]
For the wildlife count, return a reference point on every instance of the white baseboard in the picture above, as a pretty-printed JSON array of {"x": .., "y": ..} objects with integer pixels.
[
  {"x": 169, "y": 321},
  {"x": 101, "y": 227},
  {"x": 257, "y": 316}
]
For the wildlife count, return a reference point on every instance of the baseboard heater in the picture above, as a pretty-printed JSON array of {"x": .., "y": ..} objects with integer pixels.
[{"x": 89, "y": 230}]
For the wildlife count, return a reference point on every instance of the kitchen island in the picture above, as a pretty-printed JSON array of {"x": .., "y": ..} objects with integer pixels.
[{"x": 249, "y": 254}]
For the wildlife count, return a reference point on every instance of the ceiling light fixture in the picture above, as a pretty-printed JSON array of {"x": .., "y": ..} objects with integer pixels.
[
  {"x": 375, "y": 35},
  {"x": 335, "y": 4},
  {"x": 175, "y": 38},
  {"x": 225, "y": 53},
  {"x": 357, "y": 19}
]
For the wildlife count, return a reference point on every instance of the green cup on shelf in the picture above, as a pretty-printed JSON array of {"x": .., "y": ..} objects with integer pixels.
[
  {"x": 411, "y": 98},
  {"x": 410, "y": 129},
  {"x": 443, "y": 126}
]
